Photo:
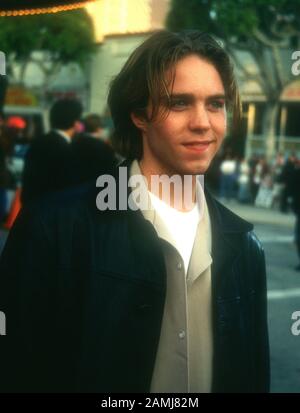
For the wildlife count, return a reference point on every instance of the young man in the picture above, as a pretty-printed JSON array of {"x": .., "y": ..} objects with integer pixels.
[{"x": 167, "y": 298}]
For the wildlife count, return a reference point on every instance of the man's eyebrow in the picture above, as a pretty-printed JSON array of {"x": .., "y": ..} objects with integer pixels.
[
  {"x": 217, "y": 96},
  {"x": 192, "y": 96}
]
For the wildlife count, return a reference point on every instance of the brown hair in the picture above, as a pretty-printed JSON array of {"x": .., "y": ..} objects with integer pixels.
[
  {"x": 143, "y": 80},
  {"x": 92, "y": 122}
]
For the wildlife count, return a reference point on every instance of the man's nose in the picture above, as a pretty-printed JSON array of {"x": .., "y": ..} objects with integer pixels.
[{"x": 199, "y": 118}]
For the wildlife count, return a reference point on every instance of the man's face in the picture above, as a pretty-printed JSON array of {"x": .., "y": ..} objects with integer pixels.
[{"x": 186, "y": 141}]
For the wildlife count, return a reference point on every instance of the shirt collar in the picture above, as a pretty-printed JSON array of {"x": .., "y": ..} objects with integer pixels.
[
  {"x": 150, "y": 213},
  {"x": 135, "y": 170},
  {"x": 63, "y": 134}
]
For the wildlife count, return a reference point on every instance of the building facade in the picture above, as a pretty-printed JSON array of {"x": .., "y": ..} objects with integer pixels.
[{"x": 120, "y": 26}]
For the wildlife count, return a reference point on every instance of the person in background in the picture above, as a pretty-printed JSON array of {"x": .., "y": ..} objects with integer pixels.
[
  {"x": 48, "y": 163},
  {"x": 8, "y": 175},
  {"x": 3, "y": 175},
  {"x": 93, "y": 126},
  {"x": 244, "y": 195},
  {"x": 295, "y": 194},
  {"x": 91, "y": 156},
  {"x": 15, "y": 128},
  {"x": 287, "y": 178},
  {"x": 278, "y": 186},
  {"x": 228, "y": 178},
  {"x": 261, "y": 169}
]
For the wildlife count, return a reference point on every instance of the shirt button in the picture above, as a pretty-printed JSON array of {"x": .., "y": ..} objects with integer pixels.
[
  {"x": 179, "y": 266},
  {"x": 181, "y": 334}
]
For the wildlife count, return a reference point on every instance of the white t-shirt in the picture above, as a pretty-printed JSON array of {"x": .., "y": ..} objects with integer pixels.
[{"x": 182, "y": 226}]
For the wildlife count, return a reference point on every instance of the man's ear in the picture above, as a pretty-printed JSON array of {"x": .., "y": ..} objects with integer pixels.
[
  {"x": 139, "y": 121},
  {"x": 78, "y": 126}
]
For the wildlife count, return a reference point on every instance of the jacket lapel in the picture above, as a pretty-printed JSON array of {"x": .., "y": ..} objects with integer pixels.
[
  {"x": 227, "y": 233},
  {"x": 227, "y": 229},
  {"x": 201, "y": 257},
  {"x": 139, "y": 237}
]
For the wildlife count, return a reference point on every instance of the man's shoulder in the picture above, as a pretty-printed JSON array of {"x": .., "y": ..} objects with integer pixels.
[
  {"x": 47, "y": 141},
  {"x": 225, "y": 218},
  {"x": 88, "y": 142},
  {"x": 234, "y": 227}
]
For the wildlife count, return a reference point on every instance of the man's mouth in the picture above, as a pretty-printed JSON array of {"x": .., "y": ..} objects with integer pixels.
[{"x": 197, "y": 146}]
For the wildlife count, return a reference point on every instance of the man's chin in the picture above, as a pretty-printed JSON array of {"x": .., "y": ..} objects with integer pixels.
[
  {"x": 190, "y": 169},
  {"x": 197, "y": 170}
]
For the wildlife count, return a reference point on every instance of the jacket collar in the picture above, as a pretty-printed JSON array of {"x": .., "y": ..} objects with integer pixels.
[
  {"x": 227, "y": 228},
  {"x": 223, "y": 219}
]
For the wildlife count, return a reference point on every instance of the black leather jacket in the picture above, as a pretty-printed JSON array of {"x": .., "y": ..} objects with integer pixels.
[{"x": 83, "y": 292}]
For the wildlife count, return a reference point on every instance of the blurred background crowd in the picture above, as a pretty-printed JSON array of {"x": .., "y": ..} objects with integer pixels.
[{"x": 271, "y": 184}]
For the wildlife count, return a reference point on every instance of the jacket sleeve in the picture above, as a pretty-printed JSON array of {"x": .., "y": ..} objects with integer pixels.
[
  {"x": 27, "y": 283},
  {"x": 261, "y": 350}
]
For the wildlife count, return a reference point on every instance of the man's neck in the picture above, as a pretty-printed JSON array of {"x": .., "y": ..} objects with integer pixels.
[
  {"x": 182, "y": 196},
  {"x": 67, "y": 134}
]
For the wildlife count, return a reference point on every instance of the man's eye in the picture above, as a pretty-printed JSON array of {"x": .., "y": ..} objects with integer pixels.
[
  {"x": 178, "y": 104},
  {"x": 217, "y": 104}
]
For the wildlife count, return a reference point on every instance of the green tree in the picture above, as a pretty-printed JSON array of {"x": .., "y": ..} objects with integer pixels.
[
  {"x": 267, "y": 29},
  {"x": 62, "y": 37}
]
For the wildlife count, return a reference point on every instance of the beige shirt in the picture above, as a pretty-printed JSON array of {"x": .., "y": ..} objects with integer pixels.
[{"x": 184, "y": 357}]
